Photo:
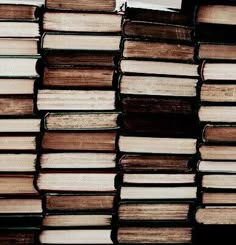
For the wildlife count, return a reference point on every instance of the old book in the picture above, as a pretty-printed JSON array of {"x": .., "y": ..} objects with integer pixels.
[
  {"x": 82, "y": 22},
  {"x": 76, "y": 202},
  {"x": 145, "y": 29},
  {"x": 19, "y": 237},
  {"x": 77, "y": 220},
  {"x": 217, "y": 113},
  {"x": 81, "y": 121},
  {"x": 17, "y": 143},
  {"x": 218, "y": 93},
  {"x": 157, "y": 50},
  {"x": 12, "y": 162},
  {"x": 158, "y": 193},
  {"x": 26, "y": 2},
  {"x": 158, "y": 68},
  {"x": 76, "y": 182},
  {"x": 19, "y": 125},
  {"x": 17, "y": 106},
  {"x": 154, "y": 104},
  {"x": 82, "y": 236},
  {"x": 218, "y": 197},
  {"x": 152, "y": 163},
  {"x": 77, "y": 160},
  {"x": 9, "y": 184},
  {"x": 66, "y": 100},
  {"x": 82, "y": 5},
  {"x": 219, "y": 181},
  {"x": 217, "y": 166},
  {"x": 80, "y": 141},
  {"x": 16, "y": 86},
  {"x": 217, "y": 152},
  {"x": 78, "y": 77},
  {"x": 157, "y": 145},
  {"x": 60, "y": 41},
  {"x": 157, "y": 85},
  {"x": 142, "y": 212},
  {"x": 154, "y": 235}
]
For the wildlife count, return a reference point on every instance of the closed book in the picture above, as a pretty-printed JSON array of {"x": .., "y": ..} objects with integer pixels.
[
  {"x": 217, "y": 166},
  {"x": 218, "y": 152},
  {"x": 219, "y": 181},
  {"x": 214, "y": 198}
]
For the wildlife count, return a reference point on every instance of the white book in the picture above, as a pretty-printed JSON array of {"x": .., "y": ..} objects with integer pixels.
[
  {"x": 20, "y": 125},
  {"x": 24, "y": 2}
]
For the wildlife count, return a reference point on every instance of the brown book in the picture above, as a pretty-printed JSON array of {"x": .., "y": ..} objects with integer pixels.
[
  {"x": 152, "y": 163},
  {"x": 83, "y": 141},
  {"x": 217, "y": 152},
  {"x": 62, "y": 202},
  {"x": 146, "y": 29},
  {"x": 157, "y": 50},
  {"x": 219, "y": 181},
  {"x": 17, "y": 12},
  {"x": 218, "y": 198},
  {"x": 155, "y": 235},
  {"x": 78, "y": 77},
  {"x": 82, "y": 5},
  {"x": 20, "y": 237}
]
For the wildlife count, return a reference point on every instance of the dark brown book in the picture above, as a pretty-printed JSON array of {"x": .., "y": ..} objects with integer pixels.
[
  {"x": 157, "y": 30},
  {"x": 152, "y": 163},
  {"x": 20, "y": 237},
  {"x": 84, "y": 141},
  {"x": 78, "y": 77},
  {"x": 158, "y": 105},
  {"x": 16, "y": 106},
  {"x": 60, "y": 202}
]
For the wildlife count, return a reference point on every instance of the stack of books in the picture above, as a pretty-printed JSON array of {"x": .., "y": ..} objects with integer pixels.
[
  {"x": 217, "y": 50},
  {"x": 77, "y": 101},
  {"x": 20, "y": 203},
  {"x": 158, "y": 87}
]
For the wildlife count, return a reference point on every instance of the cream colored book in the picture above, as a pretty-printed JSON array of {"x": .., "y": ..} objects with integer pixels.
[
  {"x": 219, "y": 181},
  {"x": 16, "y": 86},
  {"x": 20, "y": 125},
  {"x": 17, "y": 142}
]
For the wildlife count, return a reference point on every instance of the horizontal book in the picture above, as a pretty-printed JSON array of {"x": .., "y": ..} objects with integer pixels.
[
  {"x": 16, "y": 106},
  {"x": 223, "y": 198},
  {"x": 217, "y": 113},
  {"x": 217, "y": 152},
  {"x": 81, "y": 22},
  {"x": 216, "y": 215},
  {"x": 76, "y": 202},
  {"x": 20, "y": 237},
  {"x": 158, "y": 193},
  {"x": 19, "y": 125},
  {"x": 77, "y": 160},
  {"x": 81, "y": 121},
  {"x": 155, "y": 235},
  {"x": 60, "y": 41},
  {"x": 153, "y": 104},
  {"x": 9, "y": 184},
  {"x": 217, "y": 166},
  {"x": 76, "y": 220},
  {"x": 79, "y": 77},
  {"x": 76, "y": 236},
  {"x": 219, "y": 181},
  {"x": 157, "y": 145},
  {"x": 79, "y": 141},
  {"x": 66, "y": 100},
  {"x": 23, "y": 66},
  {"x": 19, "y": 29},
  {"x": 144, "y": 212},
  {"x": 18, "y": 46},
  {"x": 12, "y": 162},
  {"x": 152, "y": 163},
  {"x": 157, "y": 50},
  {"x": 145, "y": 29},
  {"x": 16, "y": 86},
  {"x": 26, "y": 2},
  {"x": 76, "y": 182},
  {"x": 17, "y": 143},
  {"x": 156, "y": 85},
  {"x": 159, "y": 68}
]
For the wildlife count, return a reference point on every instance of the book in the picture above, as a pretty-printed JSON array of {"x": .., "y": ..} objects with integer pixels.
[
  {"x": 158, "y": 68},
  {"x": 81, "y": 121},
  {"x": 19, "y": 125},
  {"x": 76, "y": 182},
  {"x": 76, "y": 202},
  {"x": 157, "y": 85},
  {"x": 66, "y": 100},
  {"x": 80, "y": 141},
  {"x": 78, "y": 160},
  {"x": 16, "y": 86},
  {"x": 218, "y": 197},
  {"x": 26, "y": 2},
  {"x": 217, "y": 166},
  {"x": 157, "y": 50},
  {"x": 79, "y": 77},
  {"x": 82, "y": 22},
  {"x": 217, "y": 152},
  {"x": 60, "y": 41},
  {"x": 157, "y": 145},
  {"x": 219, "y": 181}
]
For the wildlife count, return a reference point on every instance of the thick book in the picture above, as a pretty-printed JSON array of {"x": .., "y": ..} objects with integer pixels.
[
  {"x": 218, "y": 152},
  {"x": 223, "y": 198},
  {"x": 219, "y": 181},
  {"x": 217, "y": 166},
  {"x": 80, "y": 141}
]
